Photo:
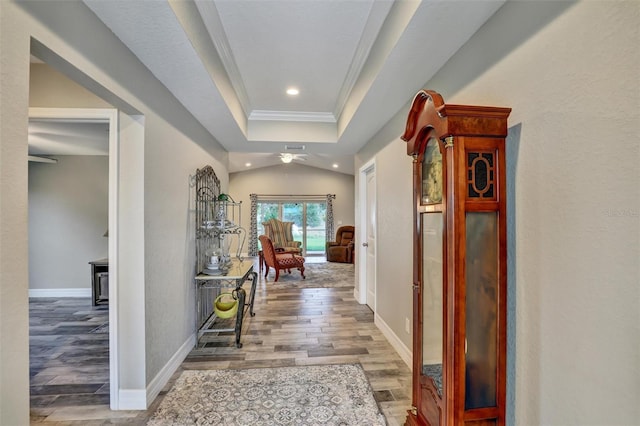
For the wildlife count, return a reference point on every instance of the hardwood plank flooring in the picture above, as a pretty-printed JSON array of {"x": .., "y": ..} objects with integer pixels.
[
  {"x": 292, "y": 326},
  {"x": 68, "y": 355}
]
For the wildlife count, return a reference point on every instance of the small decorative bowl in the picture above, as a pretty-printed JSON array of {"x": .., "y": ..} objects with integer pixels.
[{"x": 225, "y": 306}]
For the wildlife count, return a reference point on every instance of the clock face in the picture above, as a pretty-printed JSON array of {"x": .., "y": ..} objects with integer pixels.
[{"x": 432, "y": 174}]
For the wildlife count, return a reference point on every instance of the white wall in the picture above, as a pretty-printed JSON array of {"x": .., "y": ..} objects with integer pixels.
[
  {"x": 570, "y": 73},
  {"x": 100, "y": 62},
  {"x": 68, "y": 216},
  {"x": 294, "y": 179}
]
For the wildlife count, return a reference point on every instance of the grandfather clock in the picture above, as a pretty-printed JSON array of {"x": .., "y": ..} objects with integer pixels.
[{"x": 459, "y": 262}]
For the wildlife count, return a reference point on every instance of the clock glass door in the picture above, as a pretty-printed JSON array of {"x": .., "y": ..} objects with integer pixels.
[
  {"x": 481, "y": 349},
  {"x": 432, "y": 298}
]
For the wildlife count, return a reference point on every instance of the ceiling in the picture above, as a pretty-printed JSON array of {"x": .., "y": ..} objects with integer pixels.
[
  {"x": 356, "y": 63},
  {"x": 49, "y": 137}
]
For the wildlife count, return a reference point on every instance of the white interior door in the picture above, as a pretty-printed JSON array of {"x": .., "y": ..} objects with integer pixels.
[{"x": 370, "y": 238}]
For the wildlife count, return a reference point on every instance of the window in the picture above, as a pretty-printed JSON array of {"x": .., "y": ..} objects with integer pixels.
[{"x": 308, "y": 217}]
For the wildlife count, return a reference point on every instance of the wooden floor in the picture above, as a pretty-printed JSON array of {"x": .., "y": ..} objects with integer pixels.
[{"x": 292, "y": 326}]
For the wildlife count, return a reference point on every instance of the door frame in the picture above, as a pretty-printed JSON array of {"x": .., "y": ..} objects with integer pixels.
[
  {"x": 110, "y": 116},
  {"x": 360, "y": 291}
]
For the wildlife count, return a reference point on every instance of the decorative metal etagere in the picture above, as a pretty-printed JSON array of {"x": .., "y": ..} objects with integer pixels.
[
  {"x": 217, "y": 222},
  {"x": 217, "y": 219},
  {"x": 227, "y": 214},
  {"x": 207, "y": 187}
]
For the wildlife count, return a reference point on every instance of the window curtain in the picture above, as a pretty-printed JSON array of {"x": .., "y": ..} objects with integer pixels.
[
  {"x": 329, "y": 222},
  {"x": 253, "y": 230}
]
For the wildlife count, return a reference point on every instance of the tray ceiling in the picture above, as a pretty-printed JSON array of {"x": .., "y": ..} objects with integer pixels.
[{"x": 356, "y": 63}]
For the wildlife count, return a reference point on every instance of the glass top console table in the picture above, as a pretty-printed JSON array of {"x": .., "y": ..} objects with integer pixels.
[{"x": 208, "y": 287}]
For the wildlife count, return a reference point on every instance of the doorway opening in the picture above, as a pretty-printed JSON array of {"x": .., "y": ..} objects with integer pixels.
[{"x": 82, "y": 144}]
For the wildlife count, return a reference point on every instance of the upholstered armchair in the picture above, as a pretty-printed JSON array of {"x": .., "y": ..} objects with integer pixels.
[
  {"x": 342, "y": 249},
  {"x": 281, "y": 235},
  {"x": 279, "y": 260}
]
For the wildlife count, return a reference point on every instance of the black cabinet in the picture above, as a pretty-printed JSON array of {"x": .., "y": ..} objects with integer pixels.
[{"x": 99, "y": 281}]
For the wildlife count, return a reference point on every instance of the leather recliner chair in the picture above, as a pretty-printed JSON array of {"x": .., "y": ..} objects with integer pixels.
[{"x": 342, "y": 249}]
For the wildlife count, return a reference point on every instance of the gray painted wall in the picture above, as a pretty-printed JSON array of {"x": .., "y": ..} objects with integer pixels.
[
  {"x": 394, "y": 238},
  {"x": 68, "y": 215},
  {"x": 48, "y": 87},
  {"x": 293, "y": 179},
  {"x": 570, "y": 71}
]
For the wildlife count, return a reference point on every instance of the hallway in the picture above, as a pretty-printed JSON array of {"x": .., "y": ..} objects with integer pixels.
[{"x": 292, "y": 326}]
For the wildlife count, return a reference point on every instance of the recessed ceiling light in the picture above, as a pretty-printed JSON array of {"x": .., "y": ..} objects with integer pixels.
[
  {"x": 247, "y": 164},
  {"x": 292, "y": 91},
  {"x": 335, "y": 165}
]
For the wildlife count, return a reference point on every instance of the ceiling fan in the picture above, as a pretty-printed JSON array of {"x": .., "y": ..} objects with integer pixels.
[{"x": 287, "y": 157}]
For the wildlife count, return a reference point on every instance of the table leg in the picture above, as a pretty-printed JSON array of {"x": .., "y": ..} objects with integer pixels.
[
  {"x": 239, "y": 317},
  {"x": 252, "y": 297}
]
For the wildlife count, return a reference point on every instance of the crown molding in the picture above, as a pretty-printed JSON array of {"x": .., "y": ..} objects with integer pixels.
[
  {"x": 266, "y": 115},
  {"x": 212, "y": 22},
  {"x": 377, "y": 13}
]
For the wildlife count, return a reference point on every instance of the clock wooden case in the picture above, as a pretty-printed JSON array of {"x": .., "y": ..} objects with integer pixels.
[{"x": 460, "y": 262}]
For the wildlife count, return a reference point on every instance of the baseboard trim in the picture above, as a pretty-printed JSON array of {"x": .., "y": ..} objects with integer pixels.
[
  {"x": 59, "y": 292},
  {"x": 356, "y": 294},
  {"x": 163, "y": 376},
  {"x": 395, "y": 342},
  {"x": 132, "y": 399}
]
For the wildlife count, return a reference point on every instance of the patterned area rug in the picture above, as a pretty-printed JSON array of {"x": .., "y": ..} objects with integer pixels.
[
  {"x": 310, "y": 395},
  {"x": 326, "y": 274}
]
